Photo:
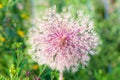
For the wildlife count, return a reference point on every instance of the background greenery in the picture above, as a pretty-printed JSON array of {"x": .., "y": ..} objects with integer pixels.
[{"x": 15, "y": 17}]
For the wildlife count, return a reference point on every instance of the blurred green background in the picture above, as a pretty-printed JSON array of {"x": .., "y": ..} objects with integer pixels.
[{"x": 15, "y": 17}]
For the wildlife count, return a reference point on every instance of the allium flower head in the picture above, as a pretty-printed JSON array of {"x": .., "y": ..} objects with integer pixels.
[{"x": 62, "y": 42}]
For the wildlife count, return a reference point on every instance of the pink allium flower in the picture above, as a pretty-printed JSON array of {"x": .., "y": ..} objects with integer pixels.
[{"x": 62, "y": 42}]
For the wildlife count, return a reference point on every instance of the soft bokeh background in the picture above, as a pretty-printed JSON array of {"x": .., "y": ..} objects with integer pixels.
[{"x": 15, "y": 17}]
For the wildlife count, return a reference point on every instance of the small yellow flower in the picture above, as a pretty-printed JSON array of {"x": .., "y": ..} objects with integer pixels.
[
  {"x": 1, "y": 6},
  {"x": 35, "y": 67},
  {"x": 2, "y": 39},
  {"x": 12, "y": 69},
  {"x": 24, "y": 16},
  {"x": 20, "y": 33}
]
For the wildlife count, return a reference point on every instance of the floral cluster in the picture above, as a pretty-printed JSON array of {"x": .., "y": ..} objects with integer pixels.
[{"x": 61, "y": 41}]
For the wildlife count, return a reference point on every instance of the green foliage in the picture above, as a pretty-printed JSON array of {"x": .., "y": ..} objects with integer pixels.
[{"x": 15, "y": 64}]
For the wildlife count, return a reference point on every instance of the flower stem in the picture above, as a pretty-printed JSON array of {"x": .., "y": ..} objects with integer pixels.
[{"x": 61, "y": 75}]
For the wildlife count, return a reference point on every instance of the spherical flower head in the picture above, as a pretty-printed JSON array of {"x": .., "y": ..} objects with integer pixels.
[{"x": 61, "y": 41}]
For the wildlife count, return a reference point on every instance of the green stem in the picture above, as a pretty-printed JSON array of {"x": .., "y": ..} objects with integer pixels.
[{"x": 42, "y": 70}]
